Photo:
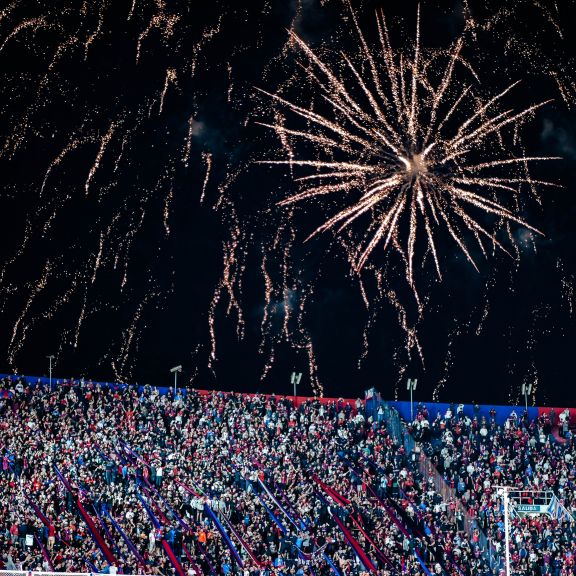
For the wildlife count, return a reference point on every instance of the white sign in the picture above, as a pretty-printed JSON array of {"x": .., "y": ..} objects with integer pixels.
[{"x": 532, "y": 508}]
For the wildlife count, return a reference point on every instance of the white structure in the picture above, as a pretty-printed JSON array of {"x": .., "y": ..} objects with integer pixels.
[
  {"x": 175, "y": 370},
  {"x": 536, "y": 502},
  {"x": 519, "y": 503},
  {"x": 526, "y": 390},
  {"x": 411, "y": 385},
  {"x": 295, "y": 380}
]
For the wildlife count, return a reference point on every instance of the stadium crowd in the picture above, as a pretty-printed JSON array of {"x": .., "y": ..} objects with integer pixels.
[
  {"x": 107, "y": 479},
  {"x": 476, "y": 456}
]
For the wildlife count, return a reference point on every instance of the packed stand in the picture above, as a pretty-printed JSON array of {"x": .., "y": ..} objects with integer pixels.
[
  {"x": 476, "y": 456},
  {"x": 102, "y": 479}
]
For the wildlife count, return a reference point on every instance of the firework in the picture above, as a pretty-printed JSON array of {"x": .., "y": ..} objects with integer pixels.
[
  {"x": 128, "y": 156},
  {"x": 407, "y": 147},
  {"x": 91, "y": 275}
]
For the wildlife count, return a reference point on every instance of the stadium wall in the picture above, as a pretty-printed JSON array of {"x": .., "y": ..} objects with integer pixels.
[
  {"x": 502, "y": 412},
  {"x": 403, "y": 407},
  {"x": 43, "y": 381}
]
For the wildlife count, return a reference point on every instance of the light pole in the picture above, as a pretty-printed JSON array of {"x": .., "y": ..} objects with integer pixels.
[
  {"x": 50, "y": 358},
  {"x": 295, "y": 379},
  {"x": 526, "y": 390},
  {"x": 175, "y": 370},
  {"x": 503, "y": 491},
  {"x": 411, "y": 385}
]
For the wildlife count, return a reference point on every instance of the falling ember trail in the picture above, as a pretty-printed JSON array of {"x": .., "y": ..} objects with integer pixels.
[
  {"x": 15, "y": 344},
  {"x": 207, "y": 157},
  {"x": 170, "y": 79},
  {"x": 103, "y": 144},
  {"x": 167, "y": 203}
]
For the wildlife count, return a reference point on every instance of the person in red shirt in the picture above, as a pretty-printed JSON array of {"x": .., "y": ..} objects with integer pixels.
[
  {"x": 14, "y": 533},
  {"x": 51, "y": 537}
]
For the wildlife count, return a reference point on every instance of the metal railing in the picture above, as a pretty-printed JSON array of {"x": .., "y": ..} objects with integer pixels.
[
  {"x": 456, "y": 508},
  {"x": 528, "y": 502}
]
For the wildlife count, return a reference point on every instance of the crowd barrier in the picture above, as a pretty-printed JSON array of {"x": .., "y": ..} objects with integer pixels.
[
  {"x": 484, "y": 410},
  {"x": 470, "y": 410},
  {"x": 34, "y": 381},
  {"x": 456, "y": 509},
  {"x": 296, "y": 399},
  {"x": 372, "y": 400}
]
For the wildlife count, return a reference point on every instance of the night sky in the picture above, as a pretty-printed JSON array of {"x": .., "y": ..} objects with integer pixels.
[{"x": 140, "y": 230}]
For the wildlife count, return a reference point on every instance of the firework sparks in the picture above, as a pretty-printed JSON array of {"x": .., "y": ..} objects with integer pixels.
[
  {"x": 207, "y": 158},
  {"x": 410, "y": 153},
  {"x": 171, "y": 78},
  {"x": 132, "y": 112},
  {"x": 103, "y": 145}
]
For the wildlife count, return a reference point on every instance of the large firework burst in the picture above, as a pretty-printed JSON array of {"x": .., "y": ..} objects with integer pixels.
[{"x": 409, "y": 146}]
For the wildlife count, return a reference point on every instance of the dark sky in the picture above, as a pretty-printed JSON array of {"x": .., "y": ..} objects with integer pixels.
[{"x": 139, "y": 229}]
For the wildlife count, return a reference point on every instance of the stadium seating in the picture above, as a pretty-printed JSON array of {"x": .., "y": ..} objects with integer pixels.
[{"x": 101, "y": 479}]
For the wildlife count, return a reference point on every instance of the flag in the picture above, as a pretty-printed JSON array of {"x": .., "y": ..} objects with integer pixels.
[
  {"x": 224, "y": 534},
  {"x": 96, "y": 536},
  {"x": 127, "y": 540}
]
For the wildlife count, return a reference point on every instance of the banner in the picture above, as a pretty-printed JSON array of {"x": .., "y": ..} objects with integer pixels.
[
  {"x": 93, "y": 568},
  {"x": 340, "y": 500},
  {"x": 242, "y": 542},
  {"x": 169, "y": 552},
  {"x": 135, "y": 455},
  {"x": 96, "y": 536},
  {"x": 195, "y": 566},
  {"x": 127, "y": 540},
  {"x": 172, "y": 557},
  {"x": 207, "y": 557},
  {"x": 107, "y": 532},
  {"x": 148, "y": 510},
  {"x": 363, "y": 557},
  {"x": 37, "y": 510},
  {"x": 378, "y": 552},
  {"x": 275, "y": 500},
  {"x": 155, "y": 505},
  {"x": 44, "y": 553},
  {"x": 291, "y": 511},
  {"x": 195, "y": 492},
  {"x": 183, "y": 524},
  {"x": 224, "y": 534},
  {"x": 331, "y": 564},
  {"x": 391, "y": 514}
]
